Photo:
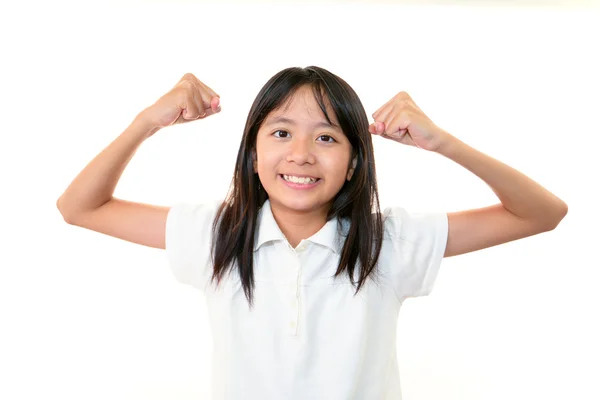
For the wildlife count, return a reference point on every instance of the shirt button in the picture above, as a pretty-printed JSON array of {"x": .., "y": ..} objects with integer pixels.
[
  {"x": 292, "y": 324},
  {"x": 301, "y": 247}
]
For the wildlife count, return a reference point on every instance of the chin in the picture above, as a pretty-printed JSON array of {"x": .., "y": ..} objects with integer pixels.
[
  {"x": 297, "y": 203},
  {"x": 299, "y": 200}
]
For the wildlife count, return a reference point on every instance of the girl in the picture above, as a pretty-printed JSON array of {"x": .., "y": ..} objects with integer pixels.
[{"x": 303, "y": 274}]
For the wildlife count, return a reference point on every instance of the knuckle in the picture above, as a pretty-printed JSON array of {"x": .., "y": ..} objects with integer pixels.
[
  {"x": 188, "y": 87},
  {"x": 185, "y": 96},
  {"x": 402, "y": 102},
  {"x": 404, "y": 96}
]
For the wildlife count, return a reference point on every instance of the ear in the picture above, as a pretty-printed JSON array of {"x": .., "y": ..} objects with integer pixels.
[
  {"x": 254, "y": 161},
  {"x": 351, "y": 169}
]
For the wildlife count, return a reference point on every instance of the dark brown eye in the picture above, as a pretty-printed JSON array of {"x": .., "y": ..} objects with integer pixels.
[
  {"x": 327, "y": 136},
  {"x": 275, "y": 133}
]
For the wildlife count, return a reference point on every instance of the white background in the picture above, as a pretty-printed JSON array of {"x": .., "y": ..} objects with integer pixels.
[{"x": 88, "y": 316}]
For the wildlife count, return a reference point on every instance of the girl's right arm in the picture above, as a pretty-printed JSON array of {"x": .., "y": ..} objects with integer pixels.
[{"x": 88, "y": 202}]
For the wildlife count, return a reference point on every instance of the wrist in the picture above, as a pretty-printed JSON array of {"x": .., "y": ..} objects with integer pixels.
[
  {"x": 448, "y": 146},
  {"x": 144, "y": 126}
]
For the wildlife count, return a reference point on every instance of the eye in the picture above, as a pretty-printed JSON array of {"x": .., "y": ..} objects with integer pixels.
[
  {"x": 275, "y": 133},
  {"x": 327, "y": 136},
  {"x": 287, "y": 133}
]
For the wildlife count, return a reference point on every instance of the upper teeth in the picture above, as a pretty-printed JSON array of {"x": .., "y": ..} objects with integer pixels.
[{"x": 296, "y": 179}]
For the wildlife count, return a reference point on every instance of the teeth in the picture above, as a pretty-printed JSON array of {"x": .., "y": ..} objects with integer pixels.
[{"x": 295, "y": 179}]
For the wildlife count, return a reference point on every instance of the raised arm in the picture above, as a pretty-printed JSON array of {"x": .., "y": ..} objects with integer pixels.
[
  {"x": 88, "y": 202},
  {"x": 526, "y": 207}
]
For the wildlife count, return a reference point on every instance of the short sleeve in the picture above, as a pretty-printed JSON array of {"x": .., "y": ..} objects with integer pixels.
[
  {"x": 188, "y": 239},
  {"x": 413, "y": 248}
]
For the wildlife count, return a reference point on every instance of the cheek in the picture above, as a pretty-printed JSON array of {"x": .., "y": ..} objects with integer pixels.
[
  {"x": 266, "y": 163},
  {"x": 336, "y": 167}
]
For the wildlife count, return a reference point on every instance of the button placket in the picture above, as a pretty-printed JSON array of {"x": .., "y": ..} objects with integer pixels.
[{"x": 294, "y": 297}]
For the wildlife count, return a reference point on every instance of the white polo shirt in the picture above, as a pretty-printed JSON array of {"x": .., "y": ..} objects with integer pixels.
[{"x": 307, "y": 337}]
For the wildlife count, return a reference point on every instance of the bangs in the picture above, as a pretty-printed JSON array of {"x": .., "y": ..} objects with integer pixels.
[{"x": 319, "y": 95}]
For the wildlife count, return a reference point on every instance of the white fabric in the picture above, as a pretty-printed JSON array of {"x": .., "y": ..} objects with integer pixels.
[{"x": 307, "y": 336}]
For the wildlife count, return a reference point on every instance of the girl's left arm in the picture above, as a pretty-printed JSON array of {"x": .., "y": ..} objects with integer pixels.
[{"x": 526, "y": 207}]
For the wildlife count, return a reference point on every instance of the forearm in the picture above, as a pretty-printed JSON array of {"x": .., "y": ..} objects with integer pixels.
[
  {"x": 518, "y": 193},
  {"x": 96, "y": 183}
]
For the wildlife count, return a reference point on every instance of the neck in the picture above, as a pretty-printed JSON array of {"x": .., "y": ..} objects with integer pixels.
[{"x": 297, "y": 225}]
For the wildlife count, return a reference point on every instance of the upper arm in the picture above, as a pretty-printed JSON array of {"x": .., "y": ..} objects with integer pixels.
[
  {"x": 139, "y": 223},
  {"x": 479, "y": 228}
]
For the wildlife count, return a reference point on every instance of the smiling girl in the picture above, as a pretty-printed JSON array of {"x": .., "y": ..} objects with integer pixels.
[{"x": 302, "y": 273}]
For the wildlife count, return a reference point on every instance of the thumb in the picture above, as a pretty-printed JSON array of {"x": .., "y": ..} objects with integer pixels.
[
  {"x": 215, "y": 104},
  {"x": 374, "y": 128}
]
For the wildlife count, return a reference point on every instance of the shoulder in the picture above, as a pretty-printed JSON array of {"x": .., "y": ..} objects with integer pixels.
[
  {"x": 188, "y": 241},
  {"x": 404, "y": 224},
  {"x": 413, "y": 249},
  {"x": 188, "y": 220},
  {"x": 195, "y": 210}
]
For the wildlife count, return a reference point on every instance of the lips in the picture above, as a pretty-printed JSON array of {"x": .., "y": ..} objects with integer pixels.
[
  {"x": 298, "y": 185},
  {"x": 312, "y": 182},
  {"x": 300, "y": 176}
]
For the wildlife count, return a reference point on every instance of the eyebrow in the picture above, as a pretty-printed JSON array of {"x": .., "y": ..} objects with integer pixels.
[{"x": 284, "y": 120}]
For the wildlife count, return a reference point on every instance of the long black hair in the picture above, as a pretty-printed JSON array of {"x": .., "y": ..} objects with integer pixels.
[{"x": 235, "y": 222}]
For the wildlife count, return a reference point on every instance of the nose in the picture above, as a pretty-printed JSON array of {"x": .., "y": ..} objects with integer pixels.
[{"x": 301, "y": 151}]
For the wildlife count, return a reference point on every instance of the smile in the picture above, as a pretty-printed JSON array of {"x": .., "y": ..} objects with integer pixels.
[
  {"x": 299, "y": 179},
  {"x": 299, "y": 183}
]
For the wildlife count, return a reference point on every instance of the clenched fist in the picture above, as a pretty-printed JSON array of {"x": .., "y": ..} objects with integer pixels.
[{"x": 189, "y": 100}]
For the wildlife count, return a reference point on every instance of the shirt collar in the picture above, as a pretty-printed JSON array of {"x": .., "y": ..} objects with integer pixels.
[{"x": 327, "y": 236}]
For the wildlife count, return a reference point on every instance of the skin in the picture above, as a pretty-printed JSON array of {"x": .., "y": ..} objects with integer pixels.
[{"x": 305, "y": 150}]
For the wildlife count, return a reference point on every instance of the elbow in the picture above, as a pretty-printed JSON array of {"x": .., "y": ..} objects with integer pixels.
[
  {"x": 557, "y": 217},
  {"x": 64, "y": 215},
  {"x": 58, "y": 208},
  {"x": 564, "y": 212},
  {"x": 564, "y": 209}
]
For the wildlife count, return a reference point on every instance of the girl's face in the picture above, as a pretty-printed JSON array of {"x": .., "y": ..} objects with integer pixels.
[{"x": 298, "y": 142}]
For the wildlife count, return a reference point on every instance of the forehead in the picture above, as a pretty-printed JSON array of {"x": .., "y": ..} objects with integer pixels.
[{"x": 303, "y": 107}]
